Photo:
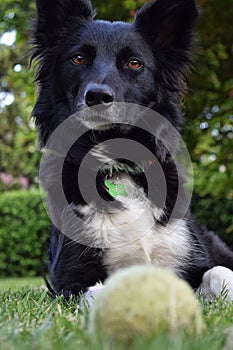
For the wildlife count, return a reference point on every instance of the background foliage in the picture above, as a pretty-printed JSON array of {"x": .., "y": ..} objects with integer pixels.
[
  {"x": 208, "y": 131},
  {"x": 24, "y": 227}
]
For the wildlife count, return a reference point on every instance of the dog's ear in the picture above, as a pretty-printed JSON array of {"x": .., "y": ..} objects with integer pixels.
[
  {"x": 53, "y": 16},
  {"x": 167, "y": 23}
]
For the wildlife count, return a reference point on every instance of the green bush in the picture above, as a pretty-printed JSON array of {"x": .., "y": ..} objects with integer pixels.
[
  {"x": 216, "y": 214},
  {"x": 24, "y": 232}
]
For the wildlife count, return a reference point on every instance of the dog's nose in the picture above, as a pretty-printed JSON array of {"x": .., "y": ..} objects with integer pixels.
[{"x": 99, "y": 94}]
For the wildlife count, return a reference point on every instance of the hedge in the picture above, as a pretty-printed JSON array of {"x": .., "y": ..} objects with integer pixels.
[
  {"x": 24, "y": 232},
  {"x": 216, "y": 214}
]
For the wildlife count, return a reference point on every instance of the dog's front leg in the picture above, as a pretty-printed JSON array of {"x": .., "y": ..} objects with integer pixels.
[{"x": 215, "y": 281}]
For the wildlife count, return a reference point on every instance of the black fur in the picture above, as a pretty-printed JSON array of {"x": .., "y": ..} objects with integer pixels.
[{"x": 161, "y": 37}]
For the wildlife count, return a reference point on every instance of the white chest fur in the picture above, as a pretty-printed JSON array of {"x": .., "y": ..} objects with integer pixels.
[{"x": 132, "y": 235}]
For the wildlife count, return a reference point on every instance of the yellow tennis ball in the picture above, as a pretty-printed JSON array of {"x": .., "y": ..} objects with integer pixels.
[{"x": 143, "y": 300}]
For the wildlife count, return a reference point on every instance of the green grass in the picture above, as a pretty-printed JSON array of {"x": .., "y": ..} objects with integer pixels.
[
  {"x": 17, "y": 283},
  {"x": 30, "y": 320}
]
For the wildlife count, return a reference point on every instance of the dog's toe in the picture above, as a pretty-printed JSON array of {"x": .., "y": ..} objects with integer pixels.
[
  {"x": 91, "y": 294},
  {"x": 215, "y": 281}
]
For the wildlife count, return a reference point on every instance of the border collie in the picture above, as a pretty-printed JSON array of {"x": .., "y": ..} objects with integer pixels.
[{"x": 97, "y": 83}]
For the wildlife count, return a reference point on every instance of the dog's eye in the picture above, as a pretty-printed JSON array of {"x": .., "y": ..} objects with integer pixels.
[
  {"x": 78, "y": 59},
  {"x": 134, "y": 63}
]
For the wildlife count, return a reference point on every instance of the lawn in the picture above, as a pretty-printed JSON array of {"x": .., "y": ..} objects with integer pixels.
[{"x": 29, "y": 319}]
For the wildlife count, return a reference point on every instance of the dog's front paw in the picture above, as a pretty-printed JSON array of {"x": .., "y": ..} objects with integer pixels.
[
  {"x": 215, "y": 281},
  {"x": 91, "y": 294}
]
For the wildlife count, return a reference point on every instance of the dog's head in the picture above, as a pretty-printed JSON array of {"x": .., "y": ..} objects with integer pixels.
[{"x": 85, "y": 62}]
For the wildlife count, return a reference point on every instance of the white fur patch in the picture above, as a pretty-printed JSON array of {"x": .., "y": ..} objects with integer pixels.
[
  {"x": 91, "y": 294},
  {"x": 132, "y": 234},
  {"x": 215, "y": 281},
  {"x": 100, "y": 153}
]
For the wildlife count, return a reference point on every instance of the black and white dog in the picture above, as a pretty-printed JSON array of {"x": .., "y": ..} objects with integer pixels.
[{"x": 84, "y": 63}]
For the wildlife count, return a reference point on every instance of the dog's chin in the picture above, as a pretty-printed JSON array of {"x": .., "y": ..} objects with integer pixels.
[
  {"x": 93, "y": 125},
  {"x": 100, "y": 118},
  {"x": 106, "y": 125},
  {"x": 96, "y": 119}
]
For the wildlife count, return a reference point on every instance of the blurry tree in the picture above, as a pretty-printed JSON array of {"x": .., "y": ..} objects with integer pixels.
[
  {"x": 208, "y": 131},
  {"x": 18, "y": 147},
  {"x": 209, "y": 106}
]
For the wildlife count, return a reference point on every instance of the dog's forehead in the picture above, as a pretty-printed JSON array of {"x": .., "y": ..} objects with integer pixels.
[{"x": 98, "y": 33}]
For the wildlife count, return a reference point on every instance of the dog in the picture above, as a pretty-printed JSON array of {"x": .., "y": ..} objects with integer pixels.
[{"x": 94, "y": 66}]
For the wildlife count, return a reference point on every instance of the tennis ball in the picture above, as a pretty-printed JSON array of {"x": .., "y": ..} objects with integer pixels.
[{"x": 143, "y": 300}]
